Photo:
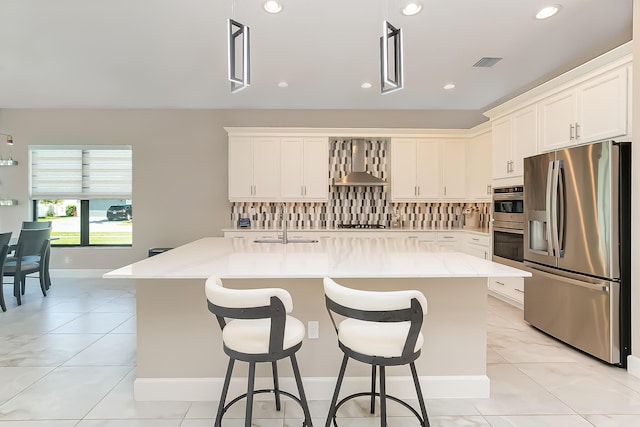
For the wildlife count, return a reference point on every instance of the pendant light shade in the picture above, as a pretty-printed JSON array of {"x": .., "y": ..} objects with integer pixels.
[
  {"x": 238, "y": 59},
  {"x": 391, "y": 67}
]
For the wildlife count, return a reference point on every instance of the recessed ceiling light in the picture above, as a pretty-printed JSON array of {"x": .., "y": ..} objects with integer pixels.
[
  {"x": 412, "y": 8},
  {"x": 366, "y": 85},
  {"x": 449, "y": 86},
  {"x": 272, "y": 6},
  {"x": 283, "y": 84},
  {"x": 548, "y": 11}
]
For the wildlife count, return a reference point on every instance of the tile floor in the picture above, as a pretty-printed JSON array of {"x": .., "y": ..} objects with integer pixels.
[{"x": 69, "y": 360}]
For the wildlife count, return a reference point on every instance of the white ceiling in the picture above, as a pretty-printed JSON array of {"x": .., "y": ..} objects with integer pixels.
[{"x": 172, "y": 53}]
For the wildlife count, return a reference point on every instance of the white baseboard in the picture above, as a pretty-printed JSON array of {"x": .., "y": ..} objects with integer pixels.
[
  {"x": 633, "y": 365},
  {"x": 316, "y": 388}
]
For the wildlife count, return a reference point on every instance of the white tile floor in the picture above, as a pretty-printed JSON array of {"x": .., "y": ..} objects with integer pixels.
[{"x": 69, "y": 360}]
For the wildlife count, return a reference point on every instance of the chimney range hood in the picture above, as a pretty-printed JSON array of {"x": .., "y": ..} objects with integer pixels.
[{"x": 358, "y": 176}]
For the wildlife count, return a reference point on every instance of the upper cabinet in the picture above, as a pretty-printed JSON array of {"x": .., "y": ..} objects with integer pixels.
[
  {"x": 479, "y": 167},
  {"x": 304, "y": 173},
  {"x": 514, "y": 138},
  {"x": 427, "y": 169},
  {"x": 254, "y": 168},
  {"x": 274, "y": 168},
  {"x": 593, "y": 110}
]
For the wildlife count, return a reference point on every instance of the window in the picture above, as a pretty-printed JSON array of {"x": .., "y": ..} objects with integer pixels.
[{"x": 85, "y": 192}]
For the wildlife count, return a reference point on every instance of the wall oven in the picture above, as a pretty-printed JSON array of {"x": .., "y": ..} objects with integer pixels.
[{"x": 508, "y": 224}]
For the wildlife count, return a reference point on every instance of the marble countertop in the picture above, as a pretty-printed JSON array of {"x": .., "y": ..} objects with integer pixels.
[{"x": 357, "y": 257}]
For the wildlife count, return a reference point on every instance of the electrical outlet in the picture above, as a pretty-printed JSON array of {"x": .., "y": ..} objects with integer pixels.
[
  {"x": 313, "y": 330},
  {"x": 66, "y": 260}
]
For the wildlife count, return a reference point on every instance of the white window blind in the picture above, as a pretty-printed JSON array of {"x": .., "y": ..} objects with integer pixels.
[{"x": 81, "y": 173}]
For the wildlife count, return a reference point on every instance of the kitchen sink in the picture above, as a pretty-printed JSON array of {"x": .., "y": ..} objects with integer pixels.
[{"x": 288, "y": 241}]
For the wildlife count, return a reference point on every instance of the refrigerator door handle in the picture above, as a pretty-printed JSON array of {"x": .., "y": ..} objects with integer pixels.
[
  {"x": 554, "y": 209},
  {"x": 561, "y": 214},
  {"x": 547, "y": 209},
  {"x": 594, "y": 286}
]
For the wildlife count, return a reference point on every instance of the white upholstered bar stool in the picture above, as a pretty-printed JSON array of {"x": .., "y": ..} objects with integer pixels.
[
  {"x": 256, "y": 328},
  {"x": 380, "y": 329}
]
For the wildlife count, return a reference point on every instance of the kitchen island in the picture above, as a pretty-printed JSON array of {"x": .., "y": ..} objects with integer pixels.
[{"x": 179, "y": 352}]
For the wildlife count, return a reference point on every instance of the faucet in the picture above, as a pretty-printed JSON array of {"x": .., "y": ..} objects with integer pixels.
[{"x": 284, "y": 218}]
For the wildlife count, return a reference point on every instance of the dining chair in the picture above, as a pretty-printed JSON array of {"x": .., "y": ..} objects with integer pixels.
[
  {"x": 35, "y": 225},
  {"x": 4, "y": 250},
  {"x": 30, "y": 255}
]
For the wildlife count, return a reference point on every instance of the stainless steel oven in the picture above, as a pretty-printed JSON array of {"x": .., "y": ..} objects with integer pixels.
[{"x": 508, "y": 224}]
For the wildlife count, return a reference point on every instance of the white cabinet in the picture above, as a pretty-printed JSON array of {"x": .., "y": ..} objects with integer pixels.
[
  {"x": 427, "y": 169},
  {"x": 479, "y": 167},
  {"x": 450, "y": 240},
  {"x": 304, "y": 173},
  {"x": 254, "y": 168},
  {"x": 514, "y": 138},
  {"x": 509, "y": 289},
  {"x": 477, "y": 245},
  {"x": 593, "y": 110}
]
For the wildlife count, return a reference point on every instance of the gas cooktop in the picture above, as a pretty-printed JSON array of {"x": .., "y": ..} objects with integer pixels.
[{"x": 365, "y": 226}]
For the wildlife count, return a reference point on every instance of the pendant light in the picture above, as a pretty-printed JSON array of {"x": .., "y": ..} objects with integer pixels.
[
  {"x": 238, "y": 58},
  {"x": 391, "y": 58}
]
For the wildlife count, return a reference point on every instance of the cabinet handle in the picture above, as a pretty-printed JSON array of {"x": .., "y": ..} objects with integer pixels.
[
  {"x": 445, "y": 190},
  {"x": 485, "y": 255},
  {"x": 412, "y": 237},
  {"x": 571, "y": 131},
  {"x": 577, "y": 130},
  {"x": 508, "y": 166},
  {"x": 519, "y": 290},
  {"x": 447, "y": 237},
  {"x": 475, "y": 239},
  {"x": 488, "y": 188},
  {"x": 418, "y": 190},
  {"x": 499, "y": 283}
]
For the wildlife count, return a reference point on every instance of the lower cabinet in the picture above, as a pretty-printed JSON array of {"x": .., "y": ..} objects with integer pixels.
[
  {"x": 477, "y": 245},
  {"x": 509, "y": 289}
]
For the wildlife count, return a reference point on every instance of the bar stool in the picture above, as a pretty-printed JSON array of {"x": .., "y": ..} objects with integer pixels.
[
  {"x": 380, "y": 329},
  {"x": 256, "y": 328}
]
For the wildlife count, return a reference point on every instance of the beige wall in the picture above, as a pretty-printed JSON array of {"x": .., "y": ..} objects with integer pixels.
[{"x": 180, "y": 164}]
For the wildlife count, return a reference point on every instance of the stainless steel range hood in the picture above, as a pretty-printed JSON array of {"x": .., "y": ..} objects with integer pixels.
[{"x": 358, "y": 176}]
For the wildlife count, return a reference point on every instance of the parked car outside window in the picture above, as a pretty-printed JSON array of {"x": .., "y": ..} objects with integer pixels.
[{"x": 119, "y": 212}]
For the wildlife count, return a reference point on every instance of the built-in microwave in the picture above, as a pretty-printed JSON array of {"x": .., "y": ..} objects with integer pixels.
[{"x": 508, "y": 224}]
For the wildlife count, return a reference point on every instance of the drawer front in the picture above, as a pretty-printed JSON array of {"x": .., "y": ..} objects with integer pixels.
[
  {"x": 511, "y": 287},
  {"x": 477, "y": 239}
]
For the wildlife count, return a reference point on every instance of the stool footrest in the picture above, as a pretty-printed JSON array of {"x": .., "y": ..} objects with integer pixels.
[
  {"x": 368, "y": 394},
  {"x": 262, "y": 391}
]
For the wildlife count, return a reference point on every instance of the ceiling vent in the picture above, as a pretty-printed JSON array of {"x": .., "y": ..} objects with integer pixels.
[{"x": 487, "y": 62}]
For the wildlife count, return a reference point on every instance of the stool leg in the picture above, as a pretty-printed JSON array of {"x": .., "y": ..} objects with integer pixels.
[
  {"x": 373, "y": 389},
  {"x": 252, "y": 378},
  {"x": 383, "y": 399},
  {"x": 334, "y": 399},
  {"x": 416, "y": 382},
  {"x": 276, "y": 388},
  {"x": 223, "y": 395},
  {"x": 301, "y": 394}
]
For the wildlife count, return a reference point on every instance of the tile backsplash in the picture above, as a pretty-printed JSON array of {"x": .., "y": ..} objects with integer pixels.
[{"x": 360, "y": 205}]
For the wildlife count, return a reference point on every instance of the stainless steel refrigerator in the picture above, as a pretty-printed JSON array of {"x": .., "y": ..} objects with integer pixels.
[{"x": 577, "y": 245}]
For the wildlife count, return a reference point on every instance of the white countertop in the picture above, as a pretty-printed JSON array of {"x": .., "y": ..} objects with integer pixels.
[{"x": 335, "y": 257}]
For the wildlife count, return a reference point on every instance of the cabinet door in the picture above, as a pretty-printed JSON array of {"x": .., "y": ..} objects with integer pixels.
[
  {"x": 403, "y": 169},
  {"x": 292, "y": 170},
  {"x": 525, "y": 138},
  {"x": 316, "y": 169},
  {"x": 266, "y": 168},
  {"x": 558, "y": 116},
  {"x": 429, "y": 169},
  {"x": 501, "y": 151},
  {"x": 454, "y": 169},
  {"x": 479, "y": 167},
  {"x": 602, "y": 107},
  {"x": 240, "y": 168}
]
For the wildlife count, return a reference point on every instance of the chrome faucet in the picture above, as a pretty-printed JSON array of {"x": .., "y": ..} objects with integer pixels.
[{"x": 284, "y": 217}]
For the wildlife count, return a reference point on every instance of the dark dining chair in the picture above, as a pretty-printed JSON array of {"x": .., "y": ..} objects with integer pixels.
[
  {"x": 30, "y": 255},
  {"x": 4, "y": 250},
  {"x": 36, "y": 225}
]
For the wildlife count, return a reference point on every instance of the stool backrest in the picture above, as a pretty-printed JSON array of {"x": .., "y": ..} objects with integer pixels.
[
  {"x": 261, "y": 303},
  {"x": 35, "y": 225},
  {"x": 377, "y": 306}
]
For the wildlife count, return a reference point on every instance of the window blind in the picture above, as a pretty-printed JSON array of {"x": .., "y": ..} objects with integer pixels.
[{"x": 81, "y": 173}]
